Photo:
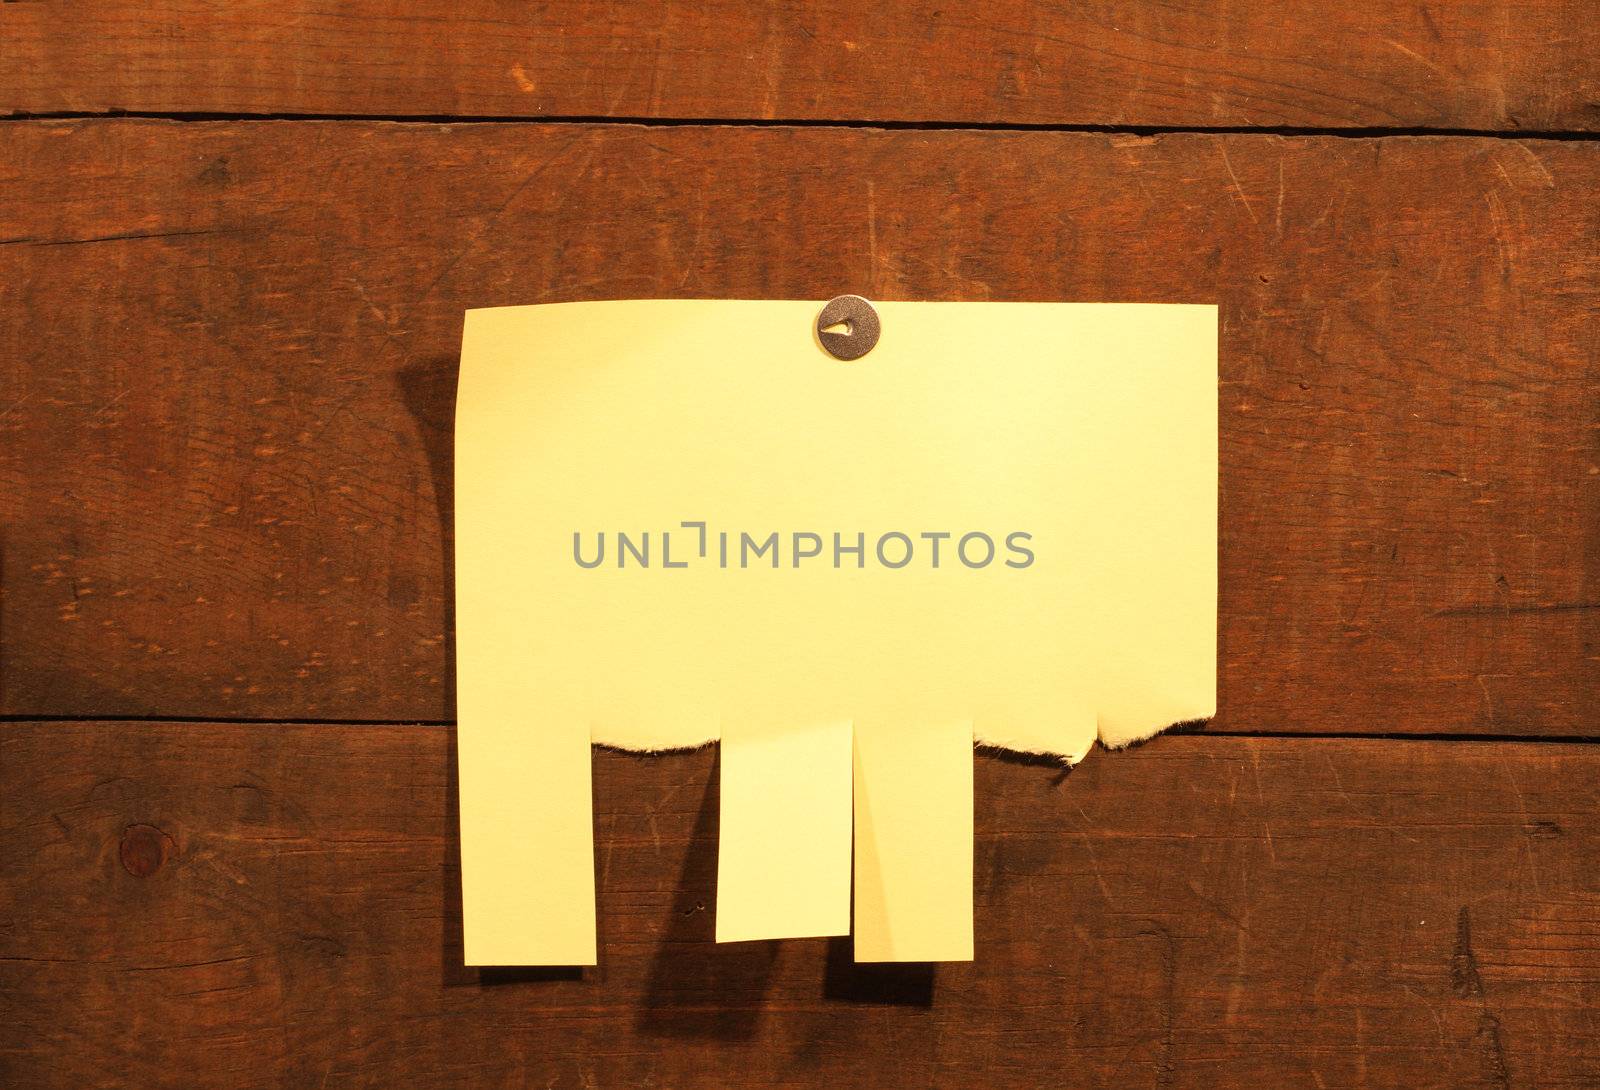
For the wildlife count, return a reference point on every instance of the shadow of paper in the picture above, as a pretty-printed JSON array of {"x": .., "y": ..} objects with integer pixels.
[
  {"x": 696, "y": 987},
  {"x": 883, "y": 983},
  {"x": 428, "y": 388}
]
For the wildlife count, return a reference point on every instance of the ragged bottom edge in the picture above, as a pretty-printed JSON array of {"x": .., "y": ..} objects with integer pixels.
[{"x": 983, "y": 745}]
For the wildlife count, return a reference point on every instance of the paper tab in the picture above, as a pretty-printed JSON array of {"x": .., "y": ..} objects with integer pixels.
[
  {"x": 913, "y": 871},
  {"x": 783, "y": 853},
  {"x": 527, "y": 836}
]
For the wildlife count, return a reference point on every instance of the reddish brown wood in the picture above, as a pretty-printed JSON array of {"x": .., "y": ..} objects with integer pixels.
[
  {"x": 1126, "y": 62},
  {"x": 1199, "y": 912},
  {"x": 228, "y": 353}
]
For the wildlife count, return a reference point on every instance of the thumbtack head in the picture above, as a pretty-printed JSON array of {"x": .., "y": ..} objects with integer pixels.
[{"x": 848, "y": 327}]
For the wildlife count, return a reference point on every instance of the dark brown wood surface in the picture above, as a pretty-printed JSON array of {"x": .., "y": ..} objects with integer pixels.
[
  {"x": 1465, "y": 65},
  {"x": 245, "y": 907},
  {"x": 227, "y": 360},
  {"x": 231, "y": 348}
]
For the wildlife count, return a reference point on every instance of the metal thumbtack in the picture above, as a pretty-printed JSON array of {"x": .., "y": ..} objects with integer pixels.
[{"x": 860, "y": 331}]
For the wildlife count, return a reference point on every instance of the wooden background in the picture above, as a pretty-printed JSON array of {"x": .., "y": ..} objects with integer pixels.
[{"x": 235, "y": 245}]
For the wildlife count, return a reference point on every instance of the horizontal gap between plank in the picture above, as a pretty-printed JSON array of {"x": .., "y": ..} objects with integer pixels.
[
  {"x": 1398, "y": 736},
  {"x": 1182, "y": 731},
  {"x": 1362, "y": 133}
]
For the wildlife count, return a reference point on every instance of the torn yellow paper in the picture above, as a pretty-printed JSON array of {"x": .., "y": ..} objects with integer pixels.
[
  {"x": 676, "y": 516},
  {"x": 783, "y": 852},
  {"x": 1006, "y": 512},
  {"x": 913, "y": 889}
]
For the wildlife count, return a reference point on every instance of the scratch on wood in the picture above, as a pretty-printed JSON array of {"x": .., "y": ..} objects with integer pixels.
[
  {"x": 1279, "y": 217},
  {"x": 1496, "y": 610},
  {"x": 1261, "y": 799},
  {"x": 1237, "y": 188},
  {"x": 129, "y": 236},
  {"x": 1419, "y": 58}
]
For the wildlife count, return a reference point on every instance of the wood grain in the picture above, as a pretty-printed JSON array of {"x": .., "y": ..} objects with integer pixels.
[
  {"x": 278, "y": 905},
  {"x": 1471, "y": 64},
  {"x": 229, "y": 353}
]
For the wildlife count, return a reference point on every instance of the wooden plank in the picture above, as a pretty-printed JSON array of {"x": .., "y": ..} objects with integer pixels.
[
  {"x": 1294, "y": 63},
  {"x": 229, "y": 356},
  {"x": 278, "y": 905}
]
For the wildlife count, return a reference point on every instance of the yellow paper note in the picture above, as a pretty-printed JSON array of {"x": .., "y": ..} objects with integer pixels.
[
  {"x": 783, "y": 854},
  {"x": 913, "y": 842},
  {"x": 676, "y": 516}
]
